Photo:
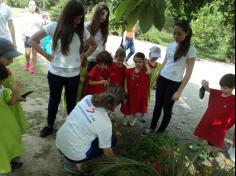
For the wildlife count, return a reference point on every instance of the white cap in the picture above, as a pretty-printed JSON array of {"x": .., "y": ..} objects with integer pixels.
[{"x": 155, "y": 52}]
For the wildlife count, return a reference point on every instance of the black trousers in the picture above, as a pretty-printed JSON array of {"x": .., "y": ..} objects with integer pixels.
[
  {"x": 164, "y": 92},
  {"x": 56, "y": 84}
]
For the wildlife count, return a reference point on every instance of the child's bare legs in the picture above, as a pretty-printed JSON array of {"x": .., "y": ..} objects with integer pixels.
[
  {"x": 231, "y": 150},
  {"x": 27, "y": 57},
  {"x": 200, "y": 141},
  {"x": 133, "y": 120},
  {"x": 125, "y": 120}
]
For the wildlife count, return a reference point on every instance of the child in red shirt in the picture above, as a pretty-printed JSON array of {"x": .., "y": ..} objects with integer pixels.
[
  {"x": 117, "y": 76},
  {"x": 136, "y": 87},
  {"x": 98, "y": 78},
  {"x": 220, "y": 114}
]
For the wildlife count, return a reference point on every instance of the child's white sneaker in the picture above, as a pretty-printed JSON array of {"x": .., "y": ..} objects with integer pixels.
[{"x": 231, "y": 153}]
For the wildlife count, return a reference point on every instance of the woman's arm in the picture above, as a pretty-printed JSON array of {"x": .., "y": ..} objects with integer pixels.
[
  {"x": 33, "y": 42},
  {"x": 12, "y": 31},
  {"x": 187, "y": 76},
  {"x": 92, "y": 47}
]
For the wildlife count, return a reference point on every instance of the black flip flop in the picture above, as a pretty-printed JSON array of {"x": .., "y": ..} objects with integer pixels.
[{"x": 202, "y": 91}]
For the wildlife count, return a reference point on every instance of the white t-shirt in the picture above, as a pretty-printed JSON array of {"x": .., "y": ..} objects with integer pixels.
[
  {"x": 5, "y": 16},
  {"x": 175, "y": 70},
  {"x": 99, "y": 41},
  {"x": 84, "y": 124},
  {"x": 66, "y": 66},
  {"x": 33, "y": 22}
]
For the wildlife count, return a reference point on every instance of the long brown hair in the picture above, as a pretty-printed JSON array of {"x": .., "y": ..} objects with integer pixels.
[
  {"x": 95, "y": 24},
  {"x": 184, "y": 46},
  {"x": 65, "y": 29}
]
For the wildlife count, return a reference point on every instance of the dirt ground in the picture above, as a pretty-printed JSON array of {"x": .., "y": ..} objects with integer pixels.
[{"x": 41, "y": 157}]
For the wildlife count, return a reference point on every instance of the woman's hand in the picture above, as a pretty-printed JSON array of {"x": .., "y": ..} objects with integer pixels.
[
  {"x": 49, "y": 57},
  {"x": 176, "y": 96}
]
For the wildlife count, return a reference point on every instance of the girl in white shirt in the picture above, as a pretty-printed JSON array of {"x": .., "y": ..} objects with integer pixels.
[
  {"x": 87, "y": 131},
  {"x": 99, "y": 29},
  {"x": 68, "y": 36},
  {"x": 180, "y": 59},
  {"x": 33, "y": 22}
]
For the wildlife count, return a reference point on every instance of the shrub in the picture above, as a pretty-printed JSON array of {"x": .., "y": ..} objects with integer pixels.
[{"x": 209, "y": 32}]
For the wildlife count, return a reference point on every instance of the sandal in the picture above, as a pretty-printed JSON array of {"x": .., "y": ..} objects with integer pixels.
[
  {"x": 133, "y": 122},
  {"x": 125, "y": 122}
]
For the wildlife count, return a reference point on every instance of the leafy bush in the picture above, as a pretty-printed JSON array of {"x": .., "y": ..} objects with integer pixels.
[{"x": 209, "y": 33}]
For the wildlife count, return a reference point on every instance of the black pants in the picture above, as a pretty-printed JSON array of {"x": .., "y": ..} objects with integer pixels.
[
  {"x": 164, "y": 92},
  {"x": 56, "y": 84}
]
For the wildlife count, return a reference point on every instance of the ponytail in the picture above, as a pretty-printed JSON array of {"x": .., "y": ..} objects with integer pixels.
[{"x": 184, "y": 46}]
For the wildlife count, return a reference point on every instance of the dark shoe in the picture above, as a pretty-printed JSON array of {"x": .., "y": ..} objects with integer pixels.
[
  {"x": 147, "y": 131},
  {"x": 46, "y": 131},
  {"x": 16, "y": 165}
]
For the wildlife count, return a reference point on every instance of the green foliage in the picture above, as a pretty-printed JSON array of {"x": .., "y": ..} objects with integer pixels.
[
  {"x": 56, "y": 10},
  {"x": 43, "y": 4},
  {"x": 119, "y": 166},
  {"x": 144, "y": 11},
  {"x": 209, "y": 33}
]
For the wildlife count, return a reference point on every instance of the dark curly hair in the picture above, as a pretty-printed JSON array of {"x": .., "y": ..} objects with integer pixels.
[
  {"x": 104, "y": 58},
  {"x": 228, "y": 80}
]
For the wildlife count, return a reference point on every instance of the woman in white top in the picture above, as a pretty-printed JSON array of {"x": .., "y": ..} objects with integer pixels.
[
  {"x": 68, "y": 36},
  {"x": 99, "y": 29},
  {"x": 87, "y": 131},
  {"x": 175, "y": 73},
  {"x": 33, "y": 22}
]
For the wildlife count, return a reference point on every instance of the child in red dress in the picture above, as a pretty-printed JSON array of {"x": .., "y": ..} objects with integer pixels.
[
  {"x": 220, "y": 114},
  {"x": 136, "y": 87},
  {"x": 117, "y": 76},
  {"x": 98, "y": 78}
]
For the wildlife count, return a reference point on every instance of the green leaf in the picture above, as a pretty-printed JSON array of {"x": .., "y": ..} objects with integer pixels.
[
  {"x": 159, "y": 17},
  {"x": 176, "y": 4},
  {"x": 121, "y": 9},
  {"x": 132, "y": 18},
  {"x": 146, "y": 17}
]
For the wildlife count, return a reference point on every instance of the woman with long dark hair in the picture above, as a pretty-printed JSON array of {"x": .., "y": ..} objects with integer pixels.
[
  {"x": 99, "y": 29},
  {"x": 175, "y": 73},
  {"x": 68, "y": 36}
]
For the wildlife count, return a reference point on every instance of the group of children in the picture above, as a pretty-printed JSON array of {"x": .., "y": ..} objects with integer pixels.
[{"x": 137, "y": 81}]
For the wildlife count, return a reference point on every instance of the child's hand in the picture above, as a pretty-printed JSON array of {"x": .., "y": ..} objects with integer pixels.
[
  {"x": 20, "y": 99},
  {"x": 105, "y": 83},
  {"x": 205, "y": 83},
  {"x": 146, "y": 60}
]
